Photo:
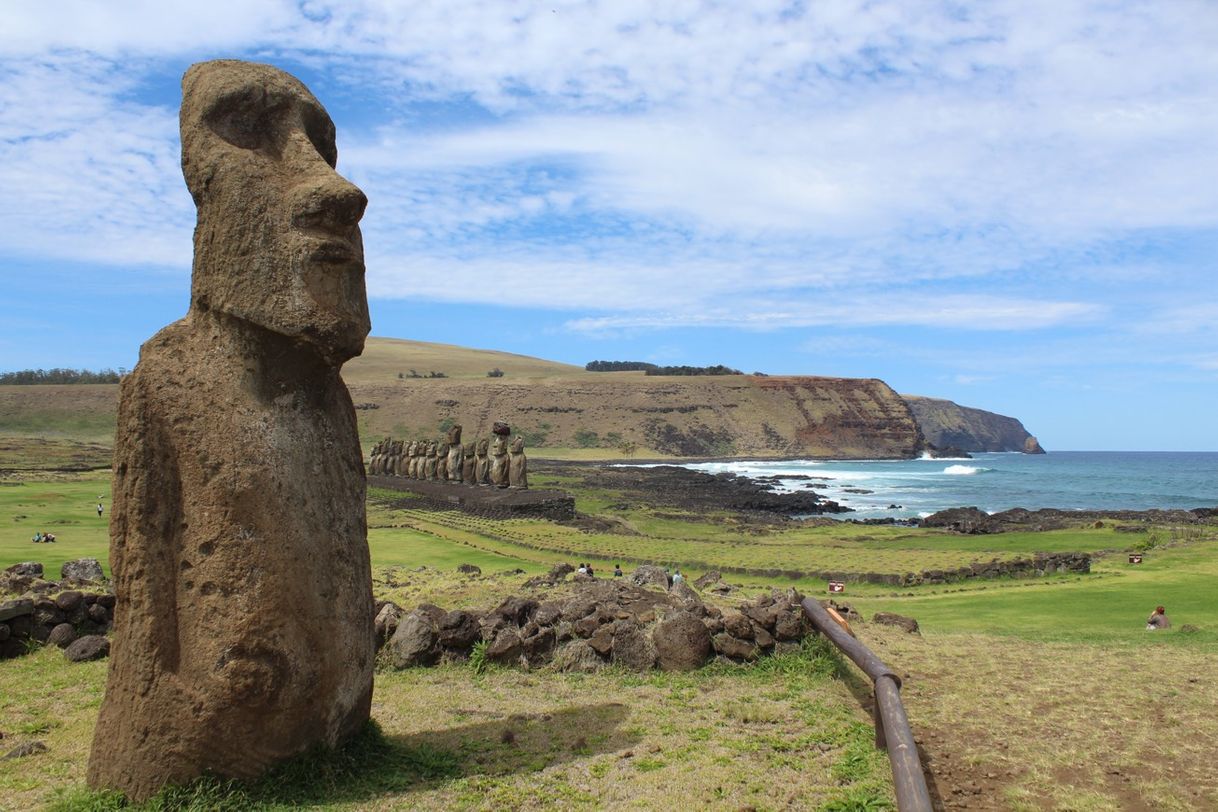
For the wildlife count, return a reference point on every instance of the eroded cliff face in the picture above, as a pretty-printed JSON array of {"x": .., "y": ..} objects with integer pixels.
[
  {"x": 737, "y": 415},
  {"x": 946, "y": 424}
]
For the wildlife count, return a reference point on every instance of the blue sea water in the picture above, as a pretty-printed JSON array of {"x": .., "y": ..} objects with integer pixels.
[{"x": 1068, "y": 480}]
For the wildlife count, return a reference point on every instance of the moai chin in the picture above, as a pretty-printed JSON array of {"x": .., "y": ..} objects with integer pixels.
[{"x": 243, "y": 628}]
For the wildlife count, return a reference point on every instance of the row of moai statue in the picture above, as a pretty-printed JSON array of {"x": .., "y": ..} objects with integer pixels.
[{"x": 493, "y": 462}]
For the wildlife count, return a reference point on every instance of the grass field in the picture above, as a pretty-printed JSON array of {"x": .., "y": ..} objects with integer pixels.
[{"x": 1024, "y": 694}]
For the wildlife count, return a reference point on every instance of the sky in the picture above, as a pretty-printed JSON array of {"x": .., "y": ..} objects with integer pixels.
[{"x": 1011, "y": 204}]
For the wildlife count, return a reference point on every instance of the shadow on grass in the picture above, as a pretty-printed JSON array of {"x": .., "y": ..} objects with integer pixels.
[{"x": 373, "y": 764}]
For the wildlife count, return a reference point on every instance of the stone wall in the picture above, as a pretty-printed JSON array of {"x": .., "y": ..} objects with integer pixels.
[
  {"x": 53, "y": 611},
  {"x": 639, "y": 623}
]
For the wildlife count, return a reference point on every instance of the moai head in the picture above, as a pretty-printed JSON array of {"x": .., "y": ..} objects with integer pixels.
[
  {"x": 441, "y": 449},
  {"x": 454, "y": 435},
  {"x": 500, "y": 446},
  {"x": 468, "y": 450},
  {"x": 277, "y": 243},
  {"x": 518, "y": 445},
  {"x": 484, "y": 446},
  {"x": 431, "y": 449},
  {"x": 412, "y": 449}
]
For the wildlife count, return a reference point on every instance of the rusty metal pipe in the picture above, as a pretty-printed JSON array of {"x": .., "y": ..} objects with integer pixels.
[{"x": 892, "y": 730}]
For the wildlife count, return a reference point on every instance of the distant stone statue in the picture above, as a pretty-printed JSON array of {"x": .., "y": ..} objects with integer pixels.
[
  {"x": 399, "y": 457},
  {"x": 429, "y": 461},
  {"x": 456, "y": 454},
  {"x": 238, "y": 540},
  {"x": 482, "y": 471},
  {"x": 518, "y": 465},
  {"x": 441, "y": 462},
  {"x": 408, "y": 458},
  {"x": 374, "y": 456},
  {"x": 391, "y": 459},
  {"x": 469, "y": 464},
  {"x": 499, "y": 462}
]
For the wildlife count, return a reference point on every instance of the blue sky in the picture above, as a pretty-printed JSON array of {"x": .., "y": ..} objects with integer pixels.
[{"x": 1013, "y": 205}]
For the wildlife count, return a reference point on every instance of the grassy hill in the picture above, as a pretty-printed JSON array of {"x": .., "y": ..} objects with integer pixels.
[{"x": 385, "y": 359}]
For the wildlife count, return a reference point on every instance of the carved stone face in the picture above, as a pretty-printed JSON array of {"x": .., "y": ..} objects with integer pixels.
[
  {"x": 518, "y": 445},
  {"x": 278, "y": 242},
  {"x": 484, "y": 446}
]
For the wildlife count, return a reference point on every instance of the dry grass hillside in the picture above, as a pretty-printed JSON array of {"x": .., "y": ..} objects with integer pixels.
[{"x": 384, "y": 359}]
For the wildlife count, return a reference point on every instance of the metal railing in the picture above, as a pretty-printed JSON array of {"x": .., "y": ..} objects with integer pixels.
[{"x": 892, "y": 730}]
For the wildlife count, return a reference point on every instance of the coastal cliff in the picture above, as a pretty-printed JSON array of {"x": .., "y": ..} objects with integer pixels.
[
  {"x": 949, "y": 425},
  {"x": 722, "y": 416}
]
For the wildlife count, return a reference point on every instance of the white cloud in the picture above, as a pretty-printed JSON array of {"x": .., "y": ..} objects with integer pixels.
[{"x": 753, "y": 165}]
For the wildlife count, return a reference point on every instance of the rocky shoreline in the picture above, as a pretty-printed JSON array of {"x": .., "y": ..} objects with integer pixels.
[{"x": 671, "y": 485}]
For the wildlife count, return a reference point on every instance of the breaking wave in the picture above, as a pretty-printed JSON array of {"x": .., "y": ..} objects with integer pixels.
[{"x": 963, "y": 470}]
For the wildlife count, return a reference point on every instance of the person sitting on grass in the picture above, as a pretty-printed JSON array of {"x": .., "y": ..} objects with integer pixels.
[
  {"x": 48, "y": 538},
  {"x": 37, "y": 537},
  {"x": 1158, "y": 620},
  {"x": 617, "y": 571}
]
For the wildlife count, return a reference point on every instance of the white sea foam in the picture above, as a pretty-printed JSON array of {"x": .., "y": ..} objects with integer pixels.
[{"x": 962, "y": 470}]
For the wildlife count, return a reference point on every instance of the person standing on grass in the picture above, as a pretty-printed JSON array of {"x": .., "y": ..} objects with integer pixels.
[
  {"x": 99, "y": 510},
  {"x": 1158, "y": 620}
]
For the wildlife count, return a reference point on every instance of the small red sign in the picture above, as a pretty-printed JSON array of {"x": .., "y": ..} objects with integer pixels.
[{"x": 837, "y": 586}]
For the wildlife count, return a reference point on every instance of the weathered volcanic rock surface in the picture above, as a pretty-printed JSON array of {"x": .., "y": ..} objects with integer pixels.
[
  {"x": 244, "y": 618},
  {"x": 948, "y": 425}
]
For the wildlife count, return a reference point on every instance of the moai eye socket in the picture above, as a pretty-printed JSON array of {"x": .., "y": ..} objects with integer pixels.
[
  {"x": 249, "y": 120},
  {"x": 320, "y": 131}
]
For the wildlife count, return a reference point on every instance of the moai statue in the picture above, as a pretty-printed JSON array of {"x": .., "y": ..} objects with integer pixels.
[
  {"x": 499, "y": 462},
  {"x": 243, "y": 628},
  {"x": 518, "y": 465},
  {"x": 482, "y": 470},
  {"x": 373, "y": 456},
  {"x": 441, "y": 462},
  {"x": 419, "y": 463},
  {"x": 408, "y": 463},
  {"x": 429, "y": 462},
  {"x": 456, "y": 454},
  {"x": 399, "y": 455},
  {"x": 469, "y": 465}
]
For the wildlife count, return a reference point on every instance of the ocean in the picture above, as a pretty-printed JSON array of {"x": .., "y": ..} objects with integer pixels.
[{"x": 1068, "y": 480}]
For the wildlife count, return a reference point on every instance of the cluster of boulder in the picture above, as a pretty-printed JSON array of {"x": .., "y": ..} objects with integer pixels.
[
  {"x": 498, "y": 462},
  {"x": 639, "y": 623},
  {"x": 56, "y": 612}
]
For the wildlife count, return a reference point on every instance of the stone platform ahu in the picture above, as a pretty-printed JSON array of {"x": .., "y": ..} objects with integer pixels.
[{"x": 238, "y": 540}]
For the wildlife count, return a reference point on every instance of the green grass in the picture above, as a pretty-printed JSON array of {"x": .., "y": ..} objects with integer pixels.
[
  {"x": 1110, "y": 608},
  {"x": 65, "y": 506}
]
